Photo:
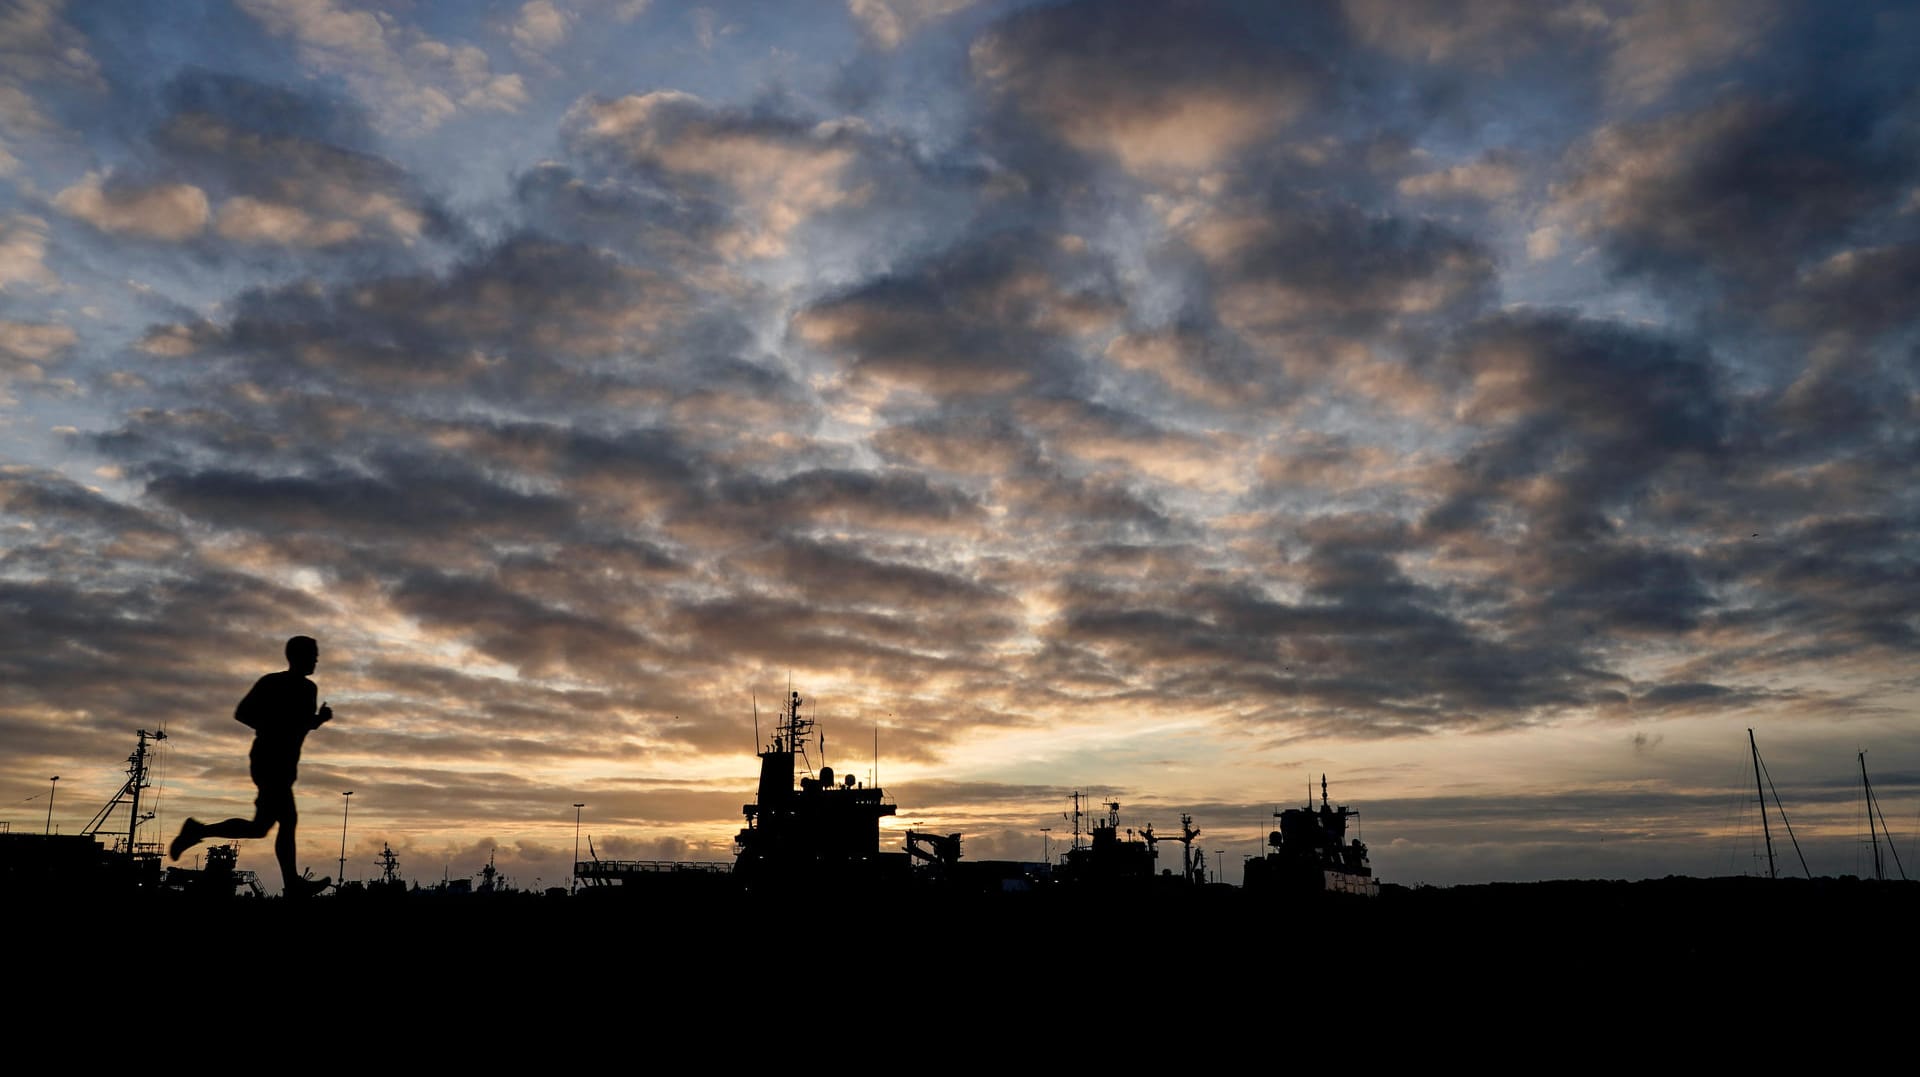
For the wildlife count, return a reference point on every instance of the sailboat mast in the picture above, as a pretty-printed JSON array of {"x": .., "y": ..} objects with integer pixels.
[
  {"x": 1761, "y": 790},
  {"x": 1879, "y": 869}
]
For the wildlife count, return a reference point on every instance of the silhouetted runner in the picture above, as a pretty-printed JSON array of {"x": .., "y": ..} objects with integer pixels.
[{"x": 280, "y": 711}]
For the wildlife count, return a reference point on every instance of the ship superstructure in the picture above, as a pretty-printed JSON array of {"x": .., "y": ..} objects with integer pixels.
[
  {"x": 1310, "y": 854},
  {"x": 1106, "y": 858},
  {"x": 822, "y": 830}
]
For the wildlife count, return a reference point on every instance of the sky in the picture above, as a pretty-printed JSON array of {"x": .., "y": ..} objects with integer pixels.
[{"x": 1497, "y": 407}]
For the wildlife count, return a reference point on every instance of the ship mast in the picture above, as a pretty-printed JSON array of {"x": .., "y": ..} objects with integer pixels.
[
  {"x": 136, "y": 781},
  {"x": 1879, "y": 868},
  {"x": 1188, "y": 832},
  {"x": 1762, "y": 793},
  {"x": 1873, "y": 807},
  {"x": 1759, "y": 773}
]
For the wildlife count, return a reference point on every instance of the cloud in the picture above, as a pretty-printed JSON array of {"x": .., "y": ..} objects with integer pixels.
[
  {"x": 643, "y": 220},
  {"x": 175, "y": 341},
  {"x": 1862, "y": 290},
  {"x": 1197, "y": 363},
  {"x": 889, "y": 22},
  {"x": 837, "y": 574},
  {"x": 23, "y": 253},
  {"x": 295, "y": 168},
  {"x": 540, "y": 304},
  {"x": 1579, "y": 419},
  {"x": 780, "y": 170},
  {"x": 1286, "y": 264},
  {"x": 1743, "y": 188},
  {"x": 1133, "y": 446},
  {"x": 534, "y": 637},
  {"x": 995, "y": 314},
  {"x": 1639, "y": 49},
  {"x": 1493, "y": 177},
  {"x": 105, "y": 581},
  {"x": 1658, "y": 44},
  {"x": 37, "y": 45},
  {"x": 542, "y": 25},
  {"x": 845, "y": 497},
  {"x": 369, "y": 507},
  {"x": 249, "y": 220},
  {"x": 26, "y": 348},
  {"x": 1482, "y": 34},
  {"x": 163, "y": 211},
  {"x": 1159, "y": 89},
  {"x": 411, "y": 81},
  {"x": 1322, "y": 665}
]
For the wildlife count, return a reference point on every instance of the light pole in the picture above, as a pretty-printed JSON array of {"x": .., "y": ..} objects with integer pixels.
[
  {"x": 576, "y": 849},
  {"x": 346, "y": 803},
  {"x": 1046, "y": 845},
  {"x": 52, "y": 788}
]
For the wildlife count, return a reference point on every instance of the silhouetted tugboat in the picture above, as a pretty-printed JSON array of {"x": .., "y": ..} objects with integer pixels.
[
  {"x": 1310, "y": 854},
  {"x": 820, "y": 835}
]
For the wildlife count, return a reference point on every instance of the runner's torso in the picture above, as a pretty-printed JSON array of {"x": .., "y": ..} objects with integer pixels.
[{"x": 280, "y": 708}]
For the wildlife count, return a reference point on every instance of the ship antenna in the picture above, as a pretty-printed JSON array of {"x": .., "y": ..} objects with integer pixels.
[{"x": 756, "y": 721}]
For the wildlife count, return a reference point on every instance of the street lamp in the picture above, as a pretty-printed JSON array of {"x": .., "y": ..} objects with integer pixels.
[
  {"x": 346, "y": 802},
  {"x": 576, "y": 848},
  {"x": 52, "y": 788},
  {"x": 1046, "y": 845}
]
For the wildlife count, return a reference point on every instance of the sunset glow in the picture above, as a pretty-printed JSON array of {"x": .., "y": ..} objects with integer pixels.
[{"x": 1498, "y": 408}]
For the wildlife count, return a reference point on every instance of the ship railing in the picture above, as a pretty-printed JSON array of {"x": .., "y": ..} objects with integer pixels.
[{"x": 623, "y": 869}]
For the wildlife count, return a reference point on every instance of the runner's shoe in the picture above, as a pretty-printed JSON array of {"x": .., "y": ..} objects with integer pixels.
[
  {"x": 188, "y": 837},
  {"x": 305, "y": 888}
]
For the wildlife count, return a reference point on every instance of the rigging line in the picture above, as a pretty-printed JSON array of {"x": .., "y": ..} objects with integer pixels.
[
  {"x": 1784, "y": 818},
  {"x": 160, "y": 787},
  {"x": 1743, "y": 849},
  {"x": 1734, "y": 823},
  {"x": 1873, "y": 805}
]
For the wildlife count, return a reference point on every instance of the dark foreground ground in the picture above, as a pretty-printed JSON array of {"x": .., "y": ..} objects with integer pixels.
[{"x": 1595, "y": 965}]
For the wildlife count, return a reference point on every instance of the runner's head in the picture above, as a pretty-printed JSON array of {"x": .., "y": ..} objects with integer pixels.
[{"x": 303, "y": 654}]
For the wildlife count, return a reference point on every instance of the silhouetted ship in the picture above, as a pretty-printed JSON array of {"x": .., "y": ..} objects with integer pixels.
[
  {"x": 821, "y": 833},
  {"x": 1106, "y": 859},
  {"x": 220, "y": 877},
  {"x": 77, "y": 866},
  {"x": 1310, "y": 854},
  {"x": 809, "y": 832},
  {"x": 825, "y": 832},
  {"x": 389, "y": 885}
]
